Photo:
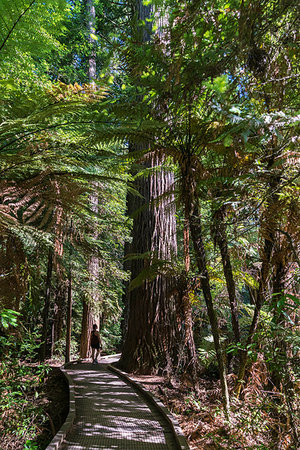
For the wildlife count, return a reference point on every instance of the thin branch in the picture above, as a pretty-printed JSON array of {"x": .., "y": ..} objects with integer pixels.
[
  {"x": 15, "y": 24},
  {"x": 272, "y": 80}
]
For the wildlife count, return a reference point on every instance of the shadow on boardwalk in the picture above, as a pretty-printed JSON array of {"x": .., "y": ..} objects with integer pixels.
[{"x": 110, "y": 414}]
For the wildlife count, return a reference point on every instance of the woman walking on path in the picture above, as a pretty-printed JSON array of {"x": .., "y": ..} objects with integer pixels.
[{"x": 95, "y": 343}]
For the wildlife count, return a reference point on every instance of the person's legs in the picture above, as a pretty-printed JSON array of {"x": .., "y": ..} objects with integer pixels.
[
  {"x": 97, "y": 354},
  {"x": 93, "y": 354}
]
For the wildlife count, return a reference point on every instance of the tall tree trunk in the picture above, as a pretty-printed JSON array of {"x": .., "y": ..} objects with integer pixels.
[
  {"x": 93, "y": 262},
  {"x": 69, "y": 304},
  {"x": 69, "y": 320},
  {"x": 91, "y": 28},
  {"x": 60, "y": 293},
  {"x": 153, "y": 332},
  {"x": 46, "y": 308},
  {"x": 150, "y": 341}
]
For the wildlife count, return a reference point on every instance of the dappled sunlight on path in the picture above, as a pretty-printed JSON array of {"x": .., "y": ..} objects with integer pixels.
[{"x": 110, "y": 414}]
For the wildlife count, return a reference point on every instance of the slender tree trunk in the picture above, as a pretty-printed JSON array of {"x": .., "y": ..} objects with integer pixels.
[
  {"x": 69, "y": 320},
  {"x": 46, "y": 308},
  {"x": 91, "y": 28},
  {"x": 186, "y": 245},
  {"x": 69, "y": 306},
  {"x": 59, "y": 308},
  {"x": 221, "y": 240},
  {"x": 86, "y": 326},
  {"x": 93, "y": 263},
  {"x": 268, "y": 227},
  {"x": 196, "y": 233},
  {"x": 59, "y": 295}
]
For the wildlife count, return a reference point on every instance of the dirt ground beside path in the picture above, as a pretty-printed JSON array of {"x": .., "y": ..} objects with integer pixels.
[{"x": 254, "y": 425}]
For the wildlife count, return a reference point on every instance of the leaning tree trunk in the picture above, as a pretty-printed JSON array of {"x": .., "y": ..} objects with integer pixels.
[
  {"x": 268, "y": 227},
  {"x": 192, "y": 215},
  {"x": 196, "y": 233}
]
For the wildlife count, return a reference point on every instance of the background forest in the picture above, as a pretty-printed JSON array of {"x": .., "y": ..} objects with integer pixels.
[{"x": 149, "y": 175}]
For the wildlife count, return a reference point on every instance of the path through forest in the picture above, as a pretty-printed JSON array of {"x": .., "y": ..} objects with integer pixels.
[{"x": 111, "y": 414}]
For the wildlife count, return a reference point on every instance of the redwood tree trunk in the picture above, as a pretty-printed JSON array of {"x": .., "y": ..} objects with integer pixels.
[
  {"x": 86, "y": 326},
  {"x": 150, "y": 341},
  {"x": 93, "y": 263}
]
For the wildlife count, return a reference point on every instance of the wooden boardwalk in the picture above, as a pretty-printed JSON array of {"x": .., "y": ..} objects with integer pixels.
[{"x": 112, "y": 414}]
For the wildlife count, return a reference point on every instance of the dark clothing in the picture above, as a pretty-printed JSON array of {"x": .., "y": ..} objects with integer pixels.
[{"x": 95, "y": 341}]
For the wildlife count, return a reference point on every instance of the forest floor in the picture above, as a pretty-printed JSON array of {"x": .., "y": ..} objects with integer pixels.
[{"x": 255, "y": 422}]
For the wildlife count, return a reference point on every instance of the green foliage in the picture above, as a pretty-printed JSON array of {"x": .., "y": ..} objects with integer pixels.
[
  {"x": 20, "y": 384},
  {"x": 8, "y": 318}
]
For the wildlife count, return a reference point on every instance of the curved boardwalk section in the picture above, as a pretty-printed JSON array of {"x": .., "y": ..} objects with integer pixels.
[{"x": 111, "y": 414}]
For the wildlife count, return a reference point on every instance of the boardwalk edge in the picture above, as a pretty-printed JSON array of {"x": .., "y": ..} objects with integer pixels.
[
  {"x": 65, "y": 428},
  {"x": 178, "y": 434}
]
